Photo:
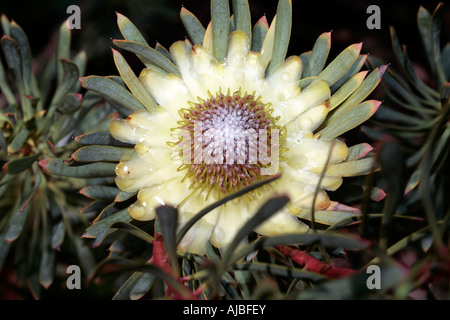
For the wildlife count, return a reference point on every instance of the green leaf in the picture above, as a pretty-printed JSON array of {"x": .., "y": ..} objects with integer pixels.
[
  {"x": 101, "y": 153},
  {"x": 132, "y": 82},
  {"x": 69, "y": 77},
  {"x": 346, "y": 90},
  {"x": 429, "y": 29},
  {"x": 242, "y": 17},
  {"x": 142, "y": 286},
  {"x": 319, "y": 55},
  {"x": 5, "y": 24},
  {"x": 341, "y": 64},
  {"x": 168, "y": 221},
  {"x": 63, "y": 49},
  {"x": 12, "y": 56},
  {"x": 124, "y": 196},
  {"x": 353, "y": 118},
  {"x": 367, "y": 86},
  {"x": 21, "y": 39},
  {"x": 352, "y": 168},
  {"x": 129, "y": 30},
  {"x": 259, "y": 34},
  {"x": 149, "y": 56},
  {"x": 100, "y": 137},
  {"x": 97, "y": 228},
  {"x": 80, "y": 61},
  {"x": 220, "y": 16},
  {"x": 435, "y": 37},
  {"x": 135, "y": 231},
  {"x": 283, "y": 27},
  {"x": 18, "y": 140},
  {"x": 395, "y": 177},
  {"x": 20, "y": 164},
  {"x": 17, "y": 221},
  {"x": 4, "y": 86},
  {"x": 58, "y": 233},
  {"x": 112, "y": 90},
  {"x": 353, "y": 70},
  {"x": 358, "y": 151},
  {"x": 124, "y": 292},
  {"x": 100, "y": 192},
  {"x": 70, "y": 103},
  {"x": 92, "y": 170},
  {"x": 47, "y": 265},
  {"x": 3, "y": 144},
  {"x": 193, "y": 26}
]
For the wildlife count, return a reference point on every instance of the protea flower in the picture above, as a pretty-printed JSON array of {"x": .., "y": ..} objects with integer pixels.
[{"x": 224, "y": 110}]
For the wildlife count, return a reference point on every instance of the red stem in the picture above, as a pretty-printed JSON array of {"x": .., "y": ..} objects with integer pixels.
[{"x": 312, "y": 264}]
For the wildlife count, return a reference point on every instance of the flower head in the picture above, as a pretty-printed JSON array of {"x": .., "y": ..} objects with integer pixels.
[{"x": 227, "y": 110}]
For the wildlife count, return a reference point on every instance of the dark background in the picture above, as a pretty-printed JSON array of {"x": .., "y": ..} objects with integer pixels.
[{"x": 159, "y": 21}]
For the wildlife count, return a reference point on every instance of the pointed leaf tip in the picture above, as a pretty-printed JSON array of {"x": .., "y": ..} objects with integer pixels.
[
  {"x": 43, "y": 163},
  {"x": 382, "y": 69}
]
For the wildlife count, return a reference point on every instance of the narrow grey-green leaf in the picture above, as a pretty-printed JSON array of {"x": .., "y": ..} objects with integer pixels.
[
  {"x": 193, "y": 26},
  {"x": 58, "y": 233},
  {"x": 69, "y": 78},
  {"x": 132, "y": 229},
  {"x": 149, "y": 56},
  {"x": 168, "y": 221},
  {"x": 100, "y": 192},
  {"x": 259, "y": 34},
  {"x": 319, "y": 55},
  {"x": 98, "y": 227},
  {"x": 124, "y": 196},
  {"x": 367, "y": 86},
  {"x": 220, "y": 15},
  {"x": 100, "y": 137},
  {"x": 13, "y": 56},
  {"x": 282, "y": 34},
  {"x": 17, "y": 221},
  {"x": 20, "y": 164},
  {"x": 132, "y": 82},
  {"x": 63, "y": 48},
  {"x": 70, "y": 103},
  {"x": 18, "y": 140},
  {"x": 5, "y": 24},
  {"x": 101, "y": 153},
  {"x": 129, "y": 30},
  {"x": 111, "y": 90},
  {"x": 242, "y": 17},
  {"x": 92, "y": 170},
  {"x": 341, "y": 64},
  {"x": 5, "y": 87},
  {"x": 21, "y": 39}
]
